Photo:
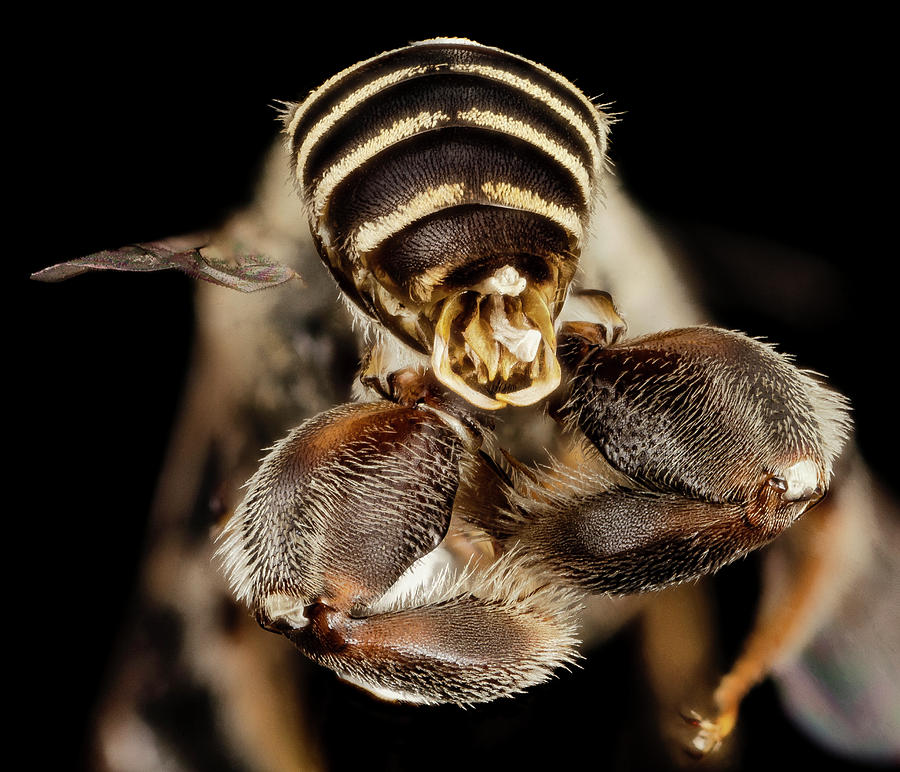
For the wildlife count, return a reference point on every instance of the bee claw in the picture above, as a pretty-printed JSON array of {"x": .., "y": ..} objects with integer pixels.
[
  {"x": 691, "y": 717},
  {"x": 709, "y": 734}
]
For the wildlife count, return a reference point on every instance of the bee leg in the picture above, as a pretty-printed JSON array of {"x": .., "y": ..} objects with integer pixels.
[
  {"x": 340, "y": 508},
  {"x": 800, "y": 584},
  {"x": 463, "y": 640},
  {"x": 783, "y": 618},
  {"x": 327, "y": 546},
  {"x": 709, "y": 444}
]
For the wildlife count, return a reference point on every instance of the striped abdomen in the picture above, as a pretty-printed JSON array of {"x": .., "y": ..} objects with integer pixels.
[{"x": 448, "y": 186}]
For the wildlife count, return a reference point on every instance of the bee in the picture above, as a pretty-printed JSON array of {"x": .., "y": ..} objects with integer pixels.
[{"x": 449, "y": 188}]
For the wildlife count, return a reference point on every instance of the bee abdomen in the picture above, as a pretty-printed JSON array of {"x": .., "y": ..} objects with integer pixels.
[{"x": 389, "y": 146}]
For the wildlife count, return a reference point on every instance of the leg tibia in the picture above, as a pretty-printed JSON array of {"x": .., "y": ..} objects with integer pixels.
[
  {"x": 466, "y": 643},
  {"x": 706, "y": 413},
  {"x": 341, "y": 508},
  {"x": 622, "y": 541}
]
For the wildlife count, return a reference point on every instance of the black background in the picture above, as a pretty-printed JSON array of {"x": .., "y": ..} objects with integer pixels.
[{"x": 139, "y": 127}]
